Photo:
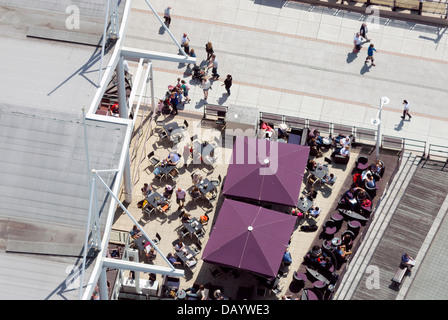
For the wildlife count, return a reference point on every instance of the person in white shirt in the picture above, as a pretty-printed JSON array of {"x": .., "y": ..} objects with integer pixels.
[
  {"x": 406, "y": 110},
  {"x": 357, "y": 42},
  {"x": 184, "y": 39},
  {"x": 205, "y": 87}
]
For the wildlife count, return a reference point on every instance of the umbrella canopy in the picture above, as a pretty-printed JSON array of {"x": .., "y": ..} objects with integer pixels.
[
  {"x": 266, "y": 171},
  {"x": 249, "y": 237}
]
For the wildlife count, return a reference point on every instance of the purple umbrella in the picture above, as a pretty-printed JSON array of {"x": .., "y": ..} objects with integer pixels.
[
  {"x": 266, "y": 171},
  {"x": 249, "y": 237}
]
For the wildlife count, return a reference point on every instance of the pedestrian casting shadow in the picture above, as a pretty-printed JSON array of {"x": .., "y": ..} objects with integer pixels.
[
  {"x": 365, "y": 68},
  {"x": 399, "y": 126},
  {"x": 223, "y": 98},
  {"x": 351, "y": 56},
  {"x": 161, "y": 30},
  {"x": 200, "y": 104}
]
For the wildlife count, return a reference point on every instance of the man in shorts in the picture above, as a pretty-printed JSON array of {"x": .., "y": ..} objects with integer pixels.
[{"x": 180, "y": 197}]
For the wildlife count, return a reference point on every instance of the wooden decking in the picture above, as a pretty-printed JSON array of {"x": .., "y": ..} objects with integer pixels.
[{"x": 406, "y": 231}]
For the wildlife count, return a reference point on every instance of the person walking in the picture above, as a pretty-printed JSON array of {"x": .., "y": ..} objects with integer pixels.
[
  {"x": 174, "y": 102},
  {"x": 357, "y": 42},
  {"x": 406, "y": 110},
  {"x": 228, "y": 83},
  {"x": 192, "y": 54},
  {"x": 205, "y": 87},
  {"x": 167, "y": 16},
  {"x": 214, "y": 66},
  {"x": 363, "y": 31},
  {"x": 209, "y": 50},
  {"x": 370, "y": 54},
  {"x": 180, "y": 197},
  {"x": 185, "y": 87},
  {"x": 184, "y": 39}
]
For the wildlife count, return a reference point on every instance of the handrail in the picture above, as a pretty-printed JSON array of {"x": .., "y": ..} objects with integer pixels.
[{"x": 361, "y": 134}]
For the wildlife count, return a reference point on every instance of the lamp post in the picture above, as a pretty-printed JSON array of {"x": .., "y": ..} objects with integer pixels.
[{"x": 377, "y": 122}]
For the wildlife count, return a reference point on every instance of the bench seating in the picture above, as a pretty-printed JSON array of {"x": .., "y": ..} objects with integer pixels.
[
  {"x": 215, "y": 112},
  {"x": 271, "y": 119},
  {"x": 398, "y": 277}
]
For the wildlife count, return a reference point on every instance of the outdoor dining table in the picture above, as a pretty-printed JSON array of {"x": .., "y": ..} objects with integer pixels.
[
  {"x": 315, "y": 274},
  {"x": 172, "y": 128},
  {"x": 186, "y": 254},
  {"x": 193, "y": 226},
  {"x": 155, "y": 199},
  {"x": 353, "y": 215},
  {"x": 205, "y": 186},
  {"x": 320, "y": 172},
  {"x": 139, "y": 243},
  {"x": 304, "y": 204},
  {"x": 166, "y": 168},
  {"x": 204, "y": 149}
]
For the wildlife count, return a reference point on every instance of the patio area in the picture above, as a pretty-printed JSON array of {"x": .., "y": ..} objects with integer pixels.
[{"x": 234, "y": 285}]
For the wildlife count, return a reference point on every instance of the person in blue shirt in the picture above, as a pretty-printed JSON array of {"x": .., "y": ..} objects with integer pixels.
[
  {"x": 287, "y": 259},
  {"x": 370, "y": 50}
]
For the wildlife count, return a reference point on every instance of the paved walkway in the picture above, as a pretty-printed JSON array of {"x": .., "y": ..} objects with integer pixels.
[{"x": 297, "y": 60}]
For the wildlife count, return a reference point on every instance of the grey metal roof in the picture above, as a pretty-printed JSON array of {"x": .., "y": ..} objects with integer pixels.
[
  {"x": 44, "y": 177},
  {"x": 44, "y": 189}
]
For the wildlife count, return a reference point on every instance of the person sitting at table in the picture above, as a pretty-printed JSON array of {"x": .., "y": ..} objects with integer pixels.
[
  {"x": 186, "y": 217},
  {"x": 365, "y": 206},
  {"x": 342, "y": 253},
  {"x": 135, "y": 232},
  {"x": 203, "y": 219},
  {"x": 329, "y": 179},
  {"x": 179, "y": 246},
  {"x": 158, "y": 172},
  {"x": 312, "y": 194},
  {"x": 173, "y": 260},
  {"x": 311, "y": 165},
  {"x": 168, "y": 191},
  {"x": 146, "y": 190},
  {"x": 173, "y": 159},
  {"x": 160, "y": 105},
  {"x": 344, "y": 151},
  {"x": 314, "y": 133},
  {"x": 195, "y": 192},
  {"x": 151, "y": 254},
  {"x": 196, "y": 292},
  {"x": 376, "y": 168},
  {"x": 341, "y": 140},
  {"x": 316, "y": 254},
  {"x": 370, "y": 181},
  {"x": 282, "y": 131},
  {"x": 350, "y": 197},
  {"x": 314, "y": 212},
  {"x": 196, "y": 177},
  {"x": 347, "y": 241}
]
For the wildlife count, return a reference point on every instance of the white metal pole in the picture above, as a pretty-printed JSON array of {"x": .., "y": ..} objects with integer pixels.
[{"x": 103, "y": 46}]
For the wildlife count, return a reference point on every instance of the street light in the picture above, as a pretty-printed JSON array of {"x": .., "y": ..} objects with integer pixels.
[{"x": 377, "y": 122}]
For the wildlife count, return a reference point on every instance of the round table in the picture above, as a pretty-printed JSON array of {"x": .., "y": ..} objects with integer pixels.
[
  {"x": 336, "y": 241},
  {"x": 354, "y": 225},
  {"x": 319, "y": 285},
  {"x": 181, "y": 294}
]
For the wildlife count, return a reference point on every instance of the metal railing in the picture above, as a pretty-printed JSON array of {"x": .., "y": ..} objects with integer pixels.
[{"x": 361, "y": 135}]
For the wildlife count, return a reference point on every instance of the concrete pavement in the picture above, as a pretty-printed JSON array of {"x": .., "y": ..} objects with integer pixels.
[{"x": 296, "y": 60}]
